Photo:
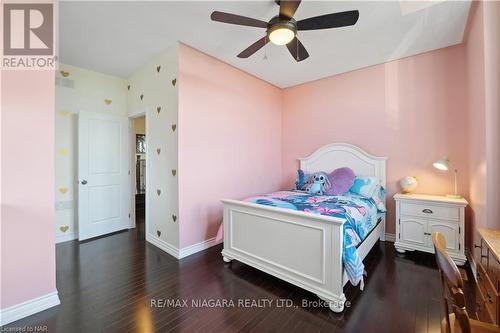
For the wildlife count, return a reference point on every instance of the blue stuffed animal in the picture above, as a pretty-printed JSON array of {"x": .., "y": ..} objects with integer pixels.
[{"x": 319, "y": 185}]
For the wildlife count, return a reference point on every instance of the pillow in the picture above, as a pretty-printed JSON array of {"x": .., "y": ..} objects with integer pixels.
[
  {"x": 379, "y": 198},
  {"x": 302, "y": 180},
  {"x": 365, "y": 186},
  {"x": 341, "y": 180}
]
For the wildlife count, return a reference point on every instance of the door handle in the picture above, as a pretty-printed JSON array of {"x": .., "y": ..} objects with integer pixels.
[{"x": 84, "y": 182}]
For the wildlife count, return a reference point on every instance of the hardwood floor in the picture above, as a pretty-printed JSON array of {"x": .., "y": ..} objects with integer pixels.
[{"x": 108, "y": 284}]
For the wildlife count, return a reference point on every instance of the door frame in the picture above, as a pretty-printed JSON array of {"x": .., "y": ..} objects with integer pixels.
[{"x": 133, "y": 173}]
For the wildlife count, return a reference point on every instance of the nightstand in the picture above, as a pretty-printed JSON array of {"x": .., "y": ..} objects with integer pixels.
[{"x": 420, "y": 215}]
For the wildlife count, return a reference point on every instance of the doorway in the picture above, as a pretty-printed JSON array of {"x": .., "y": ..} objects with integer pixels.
[
  {"x": 139, "y": 168},
  {"x": 111, "y": 174}
]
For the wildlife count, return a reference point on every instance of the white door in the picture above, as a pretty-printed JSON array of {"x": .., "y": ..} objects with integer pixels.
[
  {"x": 103, "y": 174},
  {"x": 413, "y": 231},
  {"x": 450, "y": 232}
]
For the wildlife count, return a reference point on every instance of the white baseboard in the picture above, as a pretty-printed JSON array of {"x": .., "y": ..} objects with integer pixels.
[
  {"x": 192, "y": 249},
  {"x": 162, "y": 245},
  {"x": 25, "y": 309},
  {"x": 390, "y": 237},
  {"x": 185, "y": 251},
  {"x": 66, "y": 237}
]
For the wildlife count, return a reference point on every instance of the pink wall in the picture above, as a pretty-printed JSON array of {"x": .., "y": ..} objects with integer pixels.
[
  {"x": 491, "y": 20},
  {"x": 410, "y": 110},
  {"x": 482, "y": 63},
  {"x": 27, "y": 184},
  {"x": 476, "y": 143},
  {"x": 229, "y": 140}
]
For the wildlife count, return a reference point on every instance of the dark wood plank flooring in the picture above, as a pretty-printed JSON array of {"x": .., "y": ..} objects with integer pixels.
[{"x": 107, "y": 284}]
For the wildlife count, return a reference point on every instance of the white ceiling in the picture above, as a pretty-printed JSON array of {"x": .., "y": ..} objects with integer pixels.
[{"x": 118, "y": 37}]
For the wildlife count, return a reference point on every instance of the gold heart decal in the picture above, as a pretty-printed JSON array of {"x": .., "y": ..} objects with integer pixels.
[
  {"x": 174, "y": 172},
  {"x": 63, "y": 151},
  {"x": 158, "y": 151},
  {"x": 158, "y": 232},
  {"x": 141, "y": 97},
  {"x": 63, "y": 190},
  {"x": 158, "y": 191},
  {"x": 174, "y": 217},
  {"x": 64, "y": 74},
  {"x": 174, "y": 126},
  {"x": 108, "y": 101},
  {"x": 174, "y": 81},
  {"x": 158, "y": 109},
  {"x": 64, "y": 113},
  {"x": 158, "y": 69},
  {"x": 128, "y": 87},
  {"x": 64, "y": 228}
]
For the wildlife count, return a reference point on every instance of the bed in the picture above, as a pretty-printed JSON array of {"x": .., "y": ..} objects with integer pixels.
[{"x": 299, "y": 247}]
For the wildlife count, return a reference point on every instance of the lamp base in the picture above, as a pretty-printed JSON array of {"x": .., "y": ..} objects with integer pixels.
[{"x": 454, "y": 196}]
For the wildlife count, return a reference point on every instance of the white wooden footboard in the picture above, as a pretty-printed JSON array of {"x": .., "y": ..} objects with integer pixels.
[{"x": 301, "y": 248}]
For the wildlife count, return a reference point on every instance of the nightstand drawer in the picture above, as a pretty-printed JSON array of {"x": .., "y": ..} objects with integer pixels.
[
  {"x": 482, "y": 312},
  {"x": 491, "y": 299},
  {"x": 493, "y": 270},
  {"x": 431, "y": 211},
  {"x": 481, "y": 278}
]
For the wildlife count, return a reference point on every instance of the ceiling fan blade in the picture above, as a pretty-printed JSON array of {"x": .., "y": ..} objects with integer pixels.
[
  {"x": 237, "y": 19},
  {"x": 288, "y": 8},
  {"x": 253, "y": 48},
  {"x": 328, "y": 21},
  {"x": 297, "y": 50}
]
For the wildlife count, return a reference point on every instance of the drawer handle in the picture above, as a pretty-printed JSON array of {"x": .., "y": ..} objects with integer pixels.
[
  {"x": 427, "y": 211},
  {"x": 427, "y": 233}
]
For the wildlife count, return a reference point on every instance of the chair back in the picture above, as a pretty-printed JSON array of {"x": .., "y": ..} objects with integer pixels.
[{"x": 452, "y": 283}]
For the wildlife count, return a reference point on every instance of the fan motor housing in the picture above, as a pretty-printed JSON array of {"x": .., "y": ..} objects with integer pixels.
[{"x": 278, "y": 23}]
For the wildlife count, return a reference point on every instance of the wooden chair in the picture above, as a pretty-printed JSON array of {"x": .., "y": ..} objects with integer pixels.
[{"x": 452, "y": 284}]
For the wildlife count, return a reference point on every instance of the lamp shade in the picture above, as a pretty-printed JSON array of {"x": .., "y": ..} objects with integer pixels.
[
  {"x": 442, "y": 164},
  {"x": 282, "y": 33}
]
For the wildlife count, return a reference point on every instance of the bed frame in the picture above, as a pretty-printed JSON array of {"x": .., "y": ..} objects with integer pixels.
[{"x": 301, "y": 248}]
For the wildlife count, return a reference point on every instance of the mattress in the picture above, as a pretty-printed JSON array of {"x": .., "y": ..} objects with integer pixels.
[{"x": 361, "y": 216}]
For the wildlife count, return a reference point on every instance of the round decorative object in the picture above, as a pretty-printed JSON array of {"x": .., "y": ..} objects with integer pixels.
[{"x": 408, "y": 184}]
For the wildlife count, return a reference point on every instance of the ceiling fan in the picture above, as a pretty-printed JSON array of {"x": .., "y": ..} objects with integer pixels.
[{"x": 282, "y": 29}]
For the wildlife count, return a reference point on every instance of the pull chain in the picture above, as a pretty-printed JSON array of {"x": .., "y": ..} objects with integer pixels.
[
  {"x": 297, "y": 43},
  {"x": 265, "y": 48}
]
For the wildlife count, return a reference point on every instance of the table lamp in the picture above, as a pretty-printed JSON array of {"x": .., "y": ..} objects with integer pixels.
[{"x": 444, "y": 165}]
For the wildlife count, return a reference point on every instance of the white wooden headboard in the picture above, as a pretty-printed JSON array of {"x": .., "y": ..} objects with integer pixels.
[{"x": 337, "y": 155}]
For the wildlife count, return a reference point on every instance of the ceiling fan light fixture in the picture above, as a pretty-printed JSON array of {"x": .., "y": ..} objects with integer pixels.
[
  {"x": 281, "y": 34},
  {"x": 282, "y": 28}
]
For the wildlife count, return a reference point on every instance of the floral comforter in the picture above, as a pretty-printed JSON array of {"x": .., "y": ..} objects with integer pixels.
[{"x": 360, "y": 213}]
